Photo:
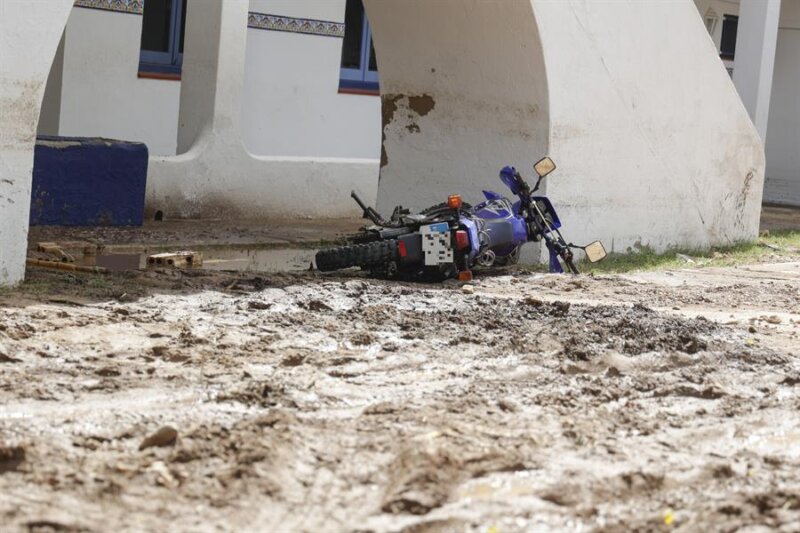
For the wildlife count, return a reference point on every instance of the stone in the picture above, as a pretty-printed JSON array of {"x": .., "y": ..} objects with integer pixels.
[
  {"x": 165, "y": 436},
  {"x": 11, "y": 457},
  {"x": 5, "y": 358}
]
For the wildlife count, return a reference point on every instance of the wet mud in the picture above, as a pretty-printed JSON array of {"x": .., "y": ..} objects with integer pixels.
[{"x": 335, "y": 403}]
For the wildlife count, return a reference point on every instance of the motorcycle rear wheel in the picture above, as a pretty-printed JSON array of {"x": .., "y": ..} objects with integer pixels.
[{"x": 370, "y": 255}]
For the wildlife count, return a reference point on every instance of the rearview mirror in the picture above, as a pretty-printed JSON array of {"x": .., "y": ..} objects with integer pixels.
[
  {"x": 595, "y": 252},
  {"x": 544, "y": 166}
]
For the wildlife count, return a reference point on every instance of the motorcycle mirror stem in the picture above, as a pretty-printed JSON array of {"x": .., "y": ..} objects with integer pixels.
[
  {"x": 538, "y": 182},
  {"x": 595, "y": 251},
  {"x": 543, "y": 167}
]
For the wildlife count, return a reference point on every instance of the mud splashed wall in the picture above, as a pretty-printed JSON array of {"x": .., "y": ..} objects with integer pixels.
[{"x": 464, "y": 93}]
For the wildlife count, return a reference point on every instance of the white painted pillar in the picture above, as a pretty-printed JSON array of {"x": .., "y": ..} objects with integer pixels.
[
  {"x": 213, "y": 70},
  {"x": 756, "y": 41},
  {"x": 29, "y": 36}
]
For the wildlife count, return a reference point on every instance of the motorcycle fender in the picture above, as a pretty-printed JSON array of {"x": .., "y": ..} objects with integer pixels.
[{"x": 413, "y": 247}]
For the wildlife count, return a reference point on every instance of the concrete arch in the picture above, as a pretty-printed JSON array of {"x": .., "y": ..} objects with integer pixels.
[
  {"x": 464, "y": 89},
  {"x": 654, "y": 145},
  {"x": 29, "y": 36}
]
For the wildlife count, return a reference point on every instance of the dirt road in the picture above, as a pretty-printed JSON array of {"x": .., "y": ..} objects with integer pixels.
[{"x": 661, "y": 401}]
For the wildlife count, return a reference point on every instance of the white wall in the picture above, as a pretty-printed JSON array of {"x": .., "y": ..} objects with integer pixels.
[
  {"x": 291, "y": 105},
  {"x": 782, "y": 181},
  {"x": 756, "y": 42},
  {"x": 29, "y": 36},
  {"x": 101, "y": 92},
  {"x": 291, "y": 96},
  {"x": 783, "y": 134}
]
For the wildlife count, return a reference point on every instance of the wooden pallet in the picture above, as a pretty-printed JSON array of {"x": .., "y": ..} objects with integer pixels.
[{"x": 175, "y": 260}]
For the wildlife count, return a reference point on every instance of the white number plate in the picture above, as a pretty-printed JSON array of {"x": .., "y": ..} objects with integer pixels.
[{"x": 436, "y": 244}]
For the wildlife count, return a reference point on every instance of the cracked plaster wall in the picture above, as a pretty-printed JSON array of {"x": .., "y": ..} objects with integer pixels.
[{"x": 464, "y": 93}]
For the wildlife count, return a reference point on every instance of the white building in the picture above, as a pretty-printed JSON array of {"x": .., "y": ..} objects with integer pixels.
[
  {"x": 274, "y": 107},
  {"x": 768, "y": 78}
]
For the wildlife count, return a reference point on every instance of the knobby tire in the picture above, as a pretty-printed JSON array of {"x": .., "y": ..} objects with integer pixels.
[{"x": 370, "y": 255}]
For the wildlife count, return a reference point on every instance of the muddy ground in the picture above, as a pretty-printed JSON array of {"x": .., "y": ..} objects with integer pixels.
[{"x": 653, "y": 401}]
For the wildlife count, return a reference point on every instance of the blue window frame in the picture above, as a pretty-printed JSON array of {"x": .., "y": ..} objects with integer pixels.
[
  {"x": 359, "y": 67},
  {"x": 163, "y": 27}
]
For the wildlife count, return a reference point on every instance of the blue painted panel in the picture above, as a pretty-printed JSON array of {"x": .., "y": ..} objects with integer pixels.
[{"x": 88, "y": 182}]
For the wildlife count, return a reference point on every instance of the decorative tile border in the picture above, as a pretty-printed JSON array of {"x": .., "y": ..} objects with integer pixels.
[
  {"x": 262, "y": 21},
  {"x": 135, "y": 7},
  {"x": 259, "y": 21}
]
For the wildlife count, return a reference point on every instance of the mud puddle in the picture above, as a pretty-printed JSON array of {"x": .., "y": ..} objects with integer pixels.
[
  {"x": 240, "y": 259},
  {"x": 255, "y": 260}
]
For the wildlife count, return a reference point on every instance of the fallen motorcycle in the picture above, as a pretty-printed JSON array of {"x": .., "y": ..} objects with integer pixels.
[{"x": 450, "y": 239}]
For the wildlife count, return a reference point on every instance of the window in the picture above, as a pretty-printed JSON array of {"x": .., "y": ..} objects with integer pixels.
[
  {"x": 359, "y": 68},
  {"x": 727, "y": 46},
  {"x": 163, "y": 27}
]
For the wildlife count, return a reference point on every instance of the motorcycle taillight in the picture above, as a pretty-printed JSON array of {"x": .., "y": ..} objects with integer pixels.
[{"x": 462, "y": 239}]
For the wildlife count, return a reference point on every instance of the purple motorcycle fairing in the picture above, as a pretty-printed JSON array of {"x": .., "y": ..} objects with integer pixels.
[
  {"x": 497, "y": 207},
  {"x": 548, "y": 209}
]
